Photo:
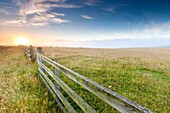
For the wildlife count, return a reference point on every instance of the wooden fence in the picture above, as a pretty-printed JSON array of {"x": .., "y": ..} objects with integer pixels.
[{"x": 115, "y": 100}]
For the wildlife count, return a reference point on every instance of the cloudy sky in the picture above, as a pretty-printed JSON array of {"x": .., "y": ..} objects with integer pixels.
[{"x": 86, "y": 23}]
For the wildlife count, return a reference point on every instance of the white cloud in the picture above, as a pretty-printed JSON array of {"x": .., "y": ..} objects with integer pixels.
[
  {"x": 87, "y": 17},
  {"x": 14, "y": 21},
  {"x": 51, "y": 17},
  {"x": 59, "y": 20},
  {"x": 40, "y": 19},
  {"x": 38, "y": 12},
  {"x": 58, "y": 5},
  {"x": 39, "y": 24},
  {"x": 58, "y": 14},
  {"x": 41, "y": 6},
  {"x": 29, "y": 7},
  {"x": 120, "y": 36},
  {"x": 152, "y": 30},
  {"x": 156, "y": 28},
  {"x": 91, "y": 2},
  {"x": 108, "y": 36}
]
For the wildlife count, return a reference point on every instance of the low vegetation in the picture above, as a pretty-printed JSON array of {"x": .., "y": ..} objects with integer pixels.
[
  {"x": 141, "y": 75},
  {"x": 21, "y": 90}
]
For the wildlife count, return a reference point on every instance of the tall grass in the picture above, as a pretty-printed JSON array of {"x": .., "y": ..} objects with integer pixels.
[{"x": 21, "y": 90}]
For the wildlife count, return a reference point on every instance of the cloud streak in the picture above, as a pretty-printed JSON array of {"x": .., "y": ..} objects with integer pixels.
[
  {"x": 38, "y": 12},
  {"x": 152, "y": 30},
  {"x": 41, "y": 6},
  {"x": 87, "y": 17},
  {"x": 39, "y": 24},
  {"x": 91, "y": 2},
  {"x": 111, "y": 8},
  {"x": 46, "y": 18}
]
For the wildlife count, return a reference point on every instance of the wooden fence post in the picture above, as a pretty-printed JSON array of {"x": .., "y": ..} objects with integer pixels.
[
  {"x": 40, "y": 51},
  {"x": 56, "y": 72},
  {"x": 32, "y": 53},
  {"x": 24, "y": 47}
]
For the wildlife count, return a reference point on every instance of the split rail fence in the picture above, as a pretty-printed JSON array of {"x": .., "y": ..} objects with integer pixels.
[{"x": 115, "y": 100}]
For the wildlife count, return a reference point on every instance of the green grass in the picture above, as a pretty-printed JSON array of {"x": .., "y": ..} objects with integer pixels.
[
  {"x": 21, "y": 90},
  {"x": 140, "y": 75},
  {"x": 139, "y": 78},
  {"x": 146, "y": 86}
]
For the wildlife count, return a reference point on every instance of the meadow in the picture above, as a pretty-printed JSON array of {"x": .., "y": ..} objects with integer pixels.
[
  {"x": 21, "y": 89},
  {"x": 141, "y": 75}
]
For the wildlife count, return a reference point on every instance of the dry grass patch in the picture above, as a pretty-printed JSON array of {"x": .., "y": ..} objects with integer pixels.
[{"x": 21, "y": 90}]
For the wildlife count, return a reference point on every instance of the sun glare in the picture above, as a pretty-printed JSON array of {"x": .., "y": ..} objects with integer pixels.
[{"x": 21, "y": 41}]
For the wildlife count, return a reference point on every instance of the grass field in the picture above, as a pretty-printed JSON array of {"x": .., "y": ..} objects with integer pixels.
[
  {"x": 21, "y": 90},
  {"x": 142, "y": 75}
]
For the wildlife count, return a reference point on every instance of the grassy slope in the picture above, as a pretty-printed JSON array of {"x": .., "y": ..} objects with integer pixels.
[
  {"x": 21, "y": 90},
  {"x": 142, "y": 75}
]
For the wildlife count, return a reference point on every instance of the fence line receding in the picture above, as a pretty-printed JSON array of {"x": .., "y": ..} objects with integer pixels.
[{"x": 54, "y": 85}]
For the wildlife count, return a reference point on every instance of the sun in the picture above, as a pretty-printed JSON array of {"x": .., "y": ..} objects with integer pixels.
[{"x": 21, "y": 41}]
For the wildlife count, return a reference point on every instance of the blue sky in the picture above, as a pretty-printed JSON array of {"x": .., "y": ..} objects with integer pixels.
[{"x": 86, "y": 23}]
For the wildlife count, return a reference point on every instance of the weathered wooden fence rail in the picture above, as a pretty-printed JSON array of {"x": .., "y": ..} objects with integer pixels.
[
  {"x": 29, "y": 52},
  {"x": 115, "y": 100}
]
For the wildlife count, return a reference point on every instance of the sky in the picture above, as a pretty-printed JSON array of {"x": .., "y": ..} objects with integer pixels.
[{"x": 86, "y": 23}]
